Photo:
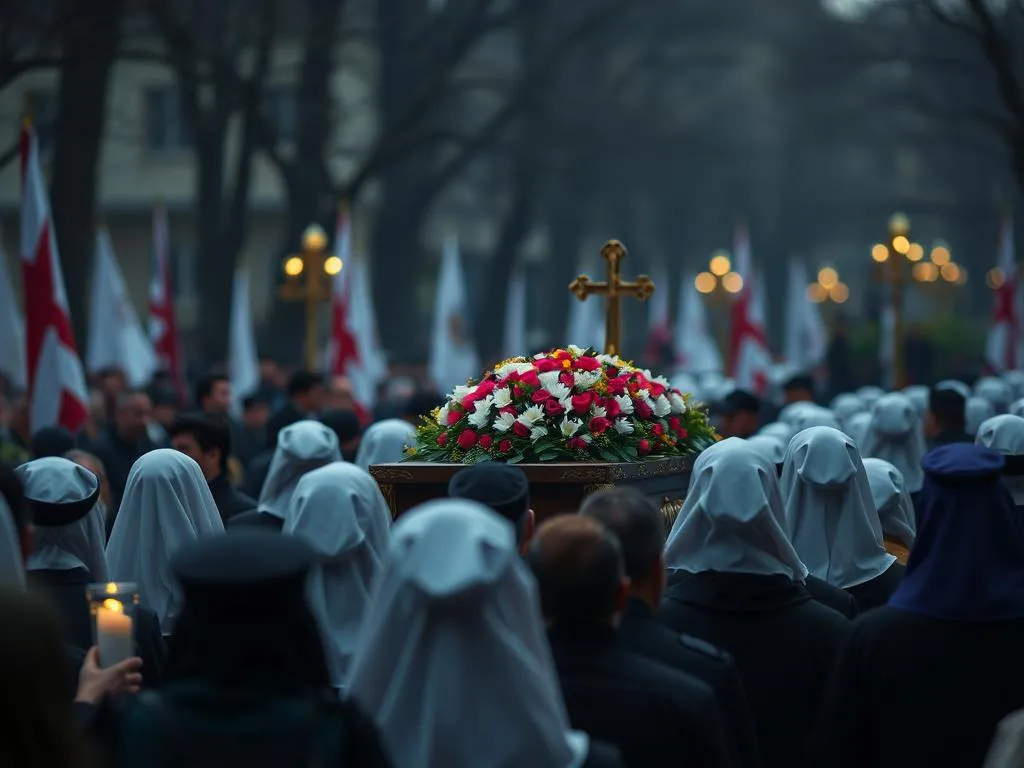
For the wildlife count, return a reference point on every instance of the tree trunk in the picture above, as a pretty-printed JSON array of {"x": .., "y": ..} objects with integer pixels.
[{"x": 90, "y": 42}]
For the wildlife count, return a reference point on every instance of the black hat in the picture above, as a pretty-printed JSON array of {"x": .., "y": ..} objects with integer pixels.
[
  {"x": 502, "y": 487},
  {"x": 738, "y": 401},
  {"x": 51, "y": 441},
  {"x": 243, "y": 574},
  {"x": 799, "y": 381},
  {"x": 58, "y": 491}
]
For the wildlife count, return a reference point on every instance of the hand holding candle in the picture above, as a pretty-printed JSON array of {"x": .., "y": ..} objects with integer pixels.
[{"x": 113, "y": 633}]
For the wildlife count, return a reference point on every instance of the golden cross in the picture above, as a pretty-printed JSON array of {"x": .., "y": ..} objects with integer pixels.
[{"x": 613, "y": 290}]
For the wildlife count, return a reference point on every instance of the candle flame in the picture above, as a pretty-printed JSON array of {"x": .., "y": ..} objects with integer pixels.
[
  {"x": 111, "y": 588},
  {"x": 114, "y": 605}
]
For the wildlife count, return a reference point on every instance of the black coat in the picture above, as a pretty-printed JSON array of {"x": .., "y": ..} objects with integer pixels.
[
  {"x": 654, "y": 714},
  {"x": 229, "y": 500},
  {"x": 256, "y": 473},
  {"x": 65, "y": 591},
  {"x": 643, "y": 634},
  {"x": 782, "y": 640},
  {"x": 876, "y": 592},
  {"x": 118, "y": 456},
  {"x": 257, "y": 520},
  {"x": 833, "y": 597},
  {"x": 911, "y": 690}
]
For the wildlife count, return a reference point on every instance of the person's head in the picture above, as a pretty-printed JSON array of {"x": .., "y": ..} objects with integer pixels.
[
  {"x": 39, "y": 729},
  {"x": 271, "y": 374},
  {"x": 344, "y": 424},
  {"x": 502, "y": 488},
  {"x": 947, "y": 412},
  {"x": 213, "y": 394},
  {"x": 306, "y": 391},
  {"x": 132, "y": 414},
  {"x": 255, "y": 411},
  {"x": 165, "y": 406},
  {"x": 737, "y": 414},
  {"x": 340, "y": 394},
  {"x": 204, "y": 438},
  {"x": 640, "y": 529},
  {"x": 112, "y": 382},
  {"x": 580, "y": 572},
  {"x": 93, "y": 463},
  {"x": 798, "y": 389},
  {"x": 301, "y": 448},
  {"x": 420, "y": 404},
  {"x": 50, "y": 441}
]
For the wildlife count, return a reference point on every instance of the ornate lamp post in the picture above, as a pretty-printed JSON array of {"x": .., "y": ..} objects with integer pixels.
[
  {"x": 306, "y": 280},
  {"x": 892, "y": 257}
]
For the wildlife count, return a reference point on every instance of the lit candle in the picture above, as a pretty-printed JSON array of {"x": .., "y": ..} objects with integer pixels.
[{"x": 113, "y": 633}]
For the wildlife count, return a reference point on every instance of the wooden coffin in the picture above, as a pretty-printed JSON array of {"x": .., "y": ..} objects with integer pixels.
[{"x": 555, "y": 488}]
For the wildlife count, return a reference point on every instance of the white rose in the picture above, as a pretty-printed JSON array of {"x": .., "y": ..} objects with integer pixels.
[
  {"x": 442, "y": 416},
  {"x": 504, "y": 422},
  {"x": 531, "y": 416},
  {"x": 625, "y": 403},
  {"x": 537, "y": 433},
  {"x": 677, "y": 402},
  {"x": 623, "y": 427},
  {"x": 481, "y": 415},
  {"x": 502, "y": 397},
  {"x": 570, "y": 427},
  {"x": 662, "y": 407}
]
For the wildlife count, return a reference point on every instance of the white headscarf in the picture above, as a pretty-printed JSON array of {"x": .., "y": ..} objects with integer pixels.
[
  {"x": 977, "y": 410},
  {"x": 54, "y": 480},
  {"x": 790, "y": 413},
  {"x": 919, "y": 396},
  {"x": 453, "y": 662},
  {"x": 895, "y": 435},
  {"x": 166, "y": 505},
  {"x": 12, "y": 567},
  {"x": 384, "y": 442},
  {"x": 777, "y": 429},
  {"x": 301, "y": 447},
  {"x": 869, "y": 395},
  {"x": 815, "y": 416},
  {"x": 1015, "y": 380},
  {"x": 956, "y": 386},
  {"x": 892, "y": 500},
  {"x": 732, "y": 519},
  {"x": 857, "y": 426},
  {"x": 1006, "y": 434},
  {"x": 772, "y": 447},
  {"x": 830, "y": 515},
  {"x": 996, "y": 391},
  {"x": 339, "y": 510},
  {"x": 846, "y": 405},
  {"x": 1017, "y": 407}
]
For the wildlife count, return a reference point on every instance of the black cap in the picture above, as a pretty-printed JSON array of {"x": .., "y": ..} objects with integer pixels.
[
  {"x": 799, "y": 381},
  {"x": 243, "y": 574},
  {"x": 738, "y": 401},
  {"x": 58, "y": 491},
  {"x": 502, "y": 487},
  {"x": 51, "y": 441}
]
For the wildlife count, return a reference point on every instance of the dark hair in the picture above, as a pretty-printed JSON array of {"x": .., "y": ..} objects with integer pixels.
[
  {"x": 421, "y": 403},
  {"x": 344, "y": 424},
  {"x": 12, "y": 491},
  {"x": 50, "y": 441},
  {"x": 124, "y": 398},
  {"x": 948, "y": 407},
  {"x": 251, "y": 401},
  {"x": 635, "y": 521},
  {"x": 204, "y": 388},
  {"x": 208, "y": 431},
  {"x": 579, "y": 568},
  {"x": 302, "y": 382}
]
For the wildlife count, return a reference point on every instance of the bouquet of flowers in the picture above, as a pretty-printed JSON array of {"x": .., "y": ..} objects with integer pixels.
[{"x": 569, "y": 404}]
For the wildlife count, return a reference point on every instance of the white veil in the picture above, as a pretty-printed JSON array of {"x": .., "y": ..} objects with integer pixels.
[{"x": 301, "y": 447}]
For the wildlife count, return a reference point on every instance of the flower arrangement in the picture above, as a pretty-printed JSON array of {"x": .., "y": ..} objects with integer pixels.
[{"x": 569, "y": 404}]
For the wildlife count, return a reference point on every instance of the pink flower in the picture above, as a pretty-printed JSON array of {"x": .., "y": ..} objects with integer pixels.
[
  {"x": 520, "y": 430},
  {"x": 643, "y": 410},
  {"x": 658, "y": 429},
  {"x": 566, "y": 378},
  {"x": 442, "y": 439},
  {"x": 454, "y": 416},
  {"x": 581, "y": 402},
  {"x": 598, "y": 425},
  {"x": 546, "y": 364},
  {"x": 485, "y": 442},
  {"x": 611, "y": 407},
  {"x": 644, "y": 446},
  {"x": 587, "y": 363},
  {"x": 467, "y": 439},
  {"x": 509, "y": 409},
  {"x": 656, "y": 389},
  {"x": 617, "y": 386},
  {"x": 540, "y": 395},
  {"x": 553, "y": 408},
  {"x": 529, "y": 379},
  {"x": 505, "y": 446}
]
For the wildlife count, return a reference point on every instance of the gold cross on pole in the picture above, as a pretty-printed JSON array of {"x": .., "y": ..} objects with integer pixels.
[{"x": 613, "y": 289}]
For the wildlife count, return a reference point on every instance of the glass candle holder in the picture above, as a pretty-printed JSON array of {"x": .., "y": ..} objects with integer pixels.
[{"x": 113, "y": 620}]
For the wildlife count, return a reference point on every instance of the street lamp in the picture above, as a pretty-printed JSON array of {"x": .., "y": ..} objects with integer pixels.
[
  {"x": 891, "y": 257},
  {"x": 828, "y": 287},
  {"x": 719, "y": 276},
  {"x": 306, "y": 280}
]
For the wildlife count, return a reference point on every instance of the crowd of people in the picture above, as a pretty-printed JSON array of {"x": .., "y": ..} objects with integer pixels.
[{"x": 843, "y": 586}]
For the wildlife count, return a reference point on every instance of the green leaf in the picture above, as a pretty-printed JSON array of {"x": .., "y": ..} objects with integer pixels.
[
  {"x": 515, "y": 459},
  {"x": 609, "y": 455},
  {"x": 549, "y": 455}
]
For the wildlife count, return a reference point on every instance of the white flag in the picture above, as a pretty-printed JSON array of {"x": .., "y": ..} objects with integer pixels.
[
  {"x": 453, "y": 356},
  {"x": 12, "y": 331},
  {"x": 806, "y": 337},
  {"x": 116, "y": 337},
  {"x": 514, "y": 342},
  {"x": 243, "y": 361},
  {"x": 696, "y": 350}
]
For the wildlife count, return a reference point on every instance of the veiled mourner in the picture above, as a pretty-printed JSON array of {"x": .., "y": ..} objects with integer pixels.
[
  {"x": 1005, "y": 434},
  {"x": 977, "y": 410},
  {"x": 384, "y": 442},
  {"x": 925, "y": 679},
  {"x": 894, "y": 505},
  {"x": 741, "y": 589},
  {"x": 831, "y": 517},
  {"x": 68, "y": 554},
  {"x": 895, "y": 435}
]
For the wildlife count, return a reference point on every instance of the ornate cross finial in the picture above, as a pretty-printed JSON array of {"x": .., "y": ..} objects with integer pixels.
[{"x": 613, "y": 289}]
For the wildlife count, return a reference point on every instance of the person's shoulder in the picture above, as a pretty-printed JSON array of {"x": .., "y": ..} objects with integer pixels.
[{"x": 666, "y": 679}]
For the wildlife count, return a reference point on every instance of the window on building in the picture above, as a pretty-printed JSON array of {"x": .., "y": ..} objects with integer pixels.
[
  {"x": 166, "y": 127},
  {"x": 280, "y": 109},
  {"x": 42, "y": 108}
]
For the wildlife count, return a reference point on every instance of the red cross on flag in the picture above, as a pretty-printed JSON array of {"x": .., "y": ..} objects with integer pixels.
[
  {"x": 749, "y": 354},
  {"x": 1003, "y": 347}
]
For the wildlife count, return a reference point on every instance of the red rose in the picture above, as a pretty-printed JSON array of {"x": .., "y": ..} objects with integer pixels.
[
  {"x": 484, "y": 389},
  {"x": 505, "y": 446},
  {"x": 529, "y": 379},
  {"x": 644, "y": 446},
  {"x": 578, "y": 444},
  {"x": 682, "y": 433},
  {"x": 468, "y": 401},
  {"x": 442, "y": 439},
  {"x": 581, "y": 402},
  {"x": 617, "y": 386},
  {"x": 658, "y": 429},
  {"x": 643, "y": 410},
  {"x": 553, "y": 408},
  {"x": 518, "y": 391},
  {"x": 540, "y": 395},
  {"x": 599, "y": 425},
  {"x": 467, "y": 439},
  {"x": 587, "y": 364},
  {"x": 454, "y": 416},
  {"x": 546, "y": 364},
  {"x": 520, "y": 429},
  {"x": 611, "y": 407},
  {"x": 567, "y": 379},
  {"x": 485, "y": 442},
  {"x": 656, "y": 389},
  {"x": 509, "y": 409},
  {"x": 673, "y": 422}
]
